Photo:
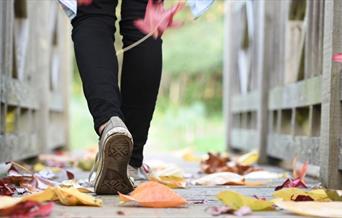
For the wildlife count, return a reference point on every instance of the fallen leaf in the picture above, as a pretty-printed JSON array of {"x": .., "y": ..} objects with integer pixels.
[
  {"x": 215, "y": 163},
  {"x": 157, "y": 19},
  {"x": 170, "y": 181},
  {"x": 288, "y": 194},
  {"x": 189, "y": 156},
  {"x": 223, "y": 178},
  {"x": 22, "y": 177},
  {"x": 334, "y": 195},
  {"x": 6, "y": 201},
  {"x": 42, "y": 196},
  {"x": 120, "y": 213},
  {"x": 301, "y": 172},
  {"x": 70, "y": 175},
  {"x": 337, "y": 57},
  {"x": 86, "y": 164},
  {"x": 221, "y": 210},
  {"x": 221, "y": 163},
  {"x": 60, "y": 160},
  {"x": 80, "y": 185},
  {"x": 302, "y": 198},
  {"x": 291, "y": 183},
  {"x": 154, "y": 194},
  {"x": 312, "y": 208},
  {"x": 38, "y": 167},
  {"x": 170, "y": 170},
  {"x": 72, "y": 197},
  {"x": 47, "y": 173},
  {"x": 236, "y": 201},
  {"x": 6, "y": 189},
  {"x": 249, "y": 158},
  {"x": 28, "y": 209}
]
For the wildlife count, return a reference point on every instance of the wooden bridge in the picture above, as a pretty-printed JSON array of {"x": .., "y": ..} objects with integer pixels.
[{"x": 282, "y": 91}]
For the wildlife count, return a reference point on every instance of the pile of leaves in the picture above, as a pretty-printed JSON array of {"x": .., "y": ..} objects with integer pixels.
[{"x": 222, "y": 163}]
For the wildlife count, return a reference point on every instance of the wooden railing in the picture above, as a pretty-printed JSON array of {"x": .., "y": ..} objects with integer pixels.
[
  {"x": 294, "y": 109},
  {"x": 35, "y": 67}
]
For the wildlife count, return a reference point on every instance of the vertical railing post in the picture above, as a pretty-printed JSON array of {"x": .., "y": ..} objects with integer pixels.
[
  {"x": 42, "y": 74},
  {"x": 227, "y": 74},
  {"x": 263, "y": 82},
  {"x": 330, "y": 143}
]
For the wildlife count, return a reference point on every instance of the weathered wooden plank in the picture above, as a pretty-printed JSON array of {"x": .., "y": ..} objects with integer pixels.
[
  {"x": 66, "y": 68},
  {"x": 245, "y": 102},
  {"x": 314, "y": 38},
  {"x": 300, "y": 94},
  {"x": 244, "y": 139},
  {"x": 56, "y": 102},
  {"x": 286, "y": 147},
  {"x": 278, "y": 19},
  {"x": 330, "y": 147},
  {"x": 56, "y": 134},
  {"x": 2, "y": 59},
  {"x": 20, "y": 93},
  {"x": 18, "y": 146}
]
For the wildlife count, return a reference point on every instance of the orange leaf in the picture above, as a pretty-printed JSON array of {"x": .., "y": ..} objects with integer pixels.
[{"x": 154, "y": 194}]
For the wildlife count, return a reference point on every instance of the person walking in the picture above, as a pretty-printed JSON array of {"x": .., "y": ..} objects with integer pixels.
[{"x": 122, "y": 115}]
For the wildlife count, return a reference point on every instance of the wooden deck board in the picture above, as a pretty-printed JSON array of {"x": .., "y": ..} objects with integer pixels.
[{"x": 193, "y": 194}]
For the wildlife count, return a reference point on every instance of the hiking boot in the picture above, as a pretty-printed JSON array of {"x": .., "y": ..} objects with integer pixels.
[
  {"x": 139, "y": 174},
  {"x": 115, "y": 148}
]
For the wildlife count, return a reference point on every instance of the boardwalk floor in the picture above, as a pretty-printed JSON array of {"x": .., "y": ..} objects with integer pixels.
[{"x": 193, "y": 194}]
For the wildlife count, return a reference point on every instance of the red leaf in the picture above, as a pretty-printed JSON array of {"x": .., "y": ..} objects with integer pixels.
[
  {"x": 337, "y": 57},
  {"x": 292, "y": 183},
  {"x": 220, "y": 210},
  {"x": 84, "y": 2},
  {"x": 300, "y": 173},
  {"x": 70, "y": 175},
  {"x": 6, "y": 189},
  {"x": 157, "y": 19},
  {"x": 28, "y": 209},
  {"x": 302, "y": 198}
]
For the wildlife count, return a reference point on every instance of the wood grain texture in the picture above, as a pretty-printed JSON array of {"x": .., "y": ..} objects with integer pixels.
[
  {"x": 300, "y": 94},
  {"x": 330, "y": 146},
  {"x": 27, "y": 52},
  {"x": 314, "y": 38}
]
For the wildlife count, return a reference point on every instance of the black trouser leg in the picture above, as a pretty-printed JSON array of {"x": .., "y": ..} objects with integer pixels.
[
  {"x": 93, "y": 36},
  {"x": 141, "y": 74}
]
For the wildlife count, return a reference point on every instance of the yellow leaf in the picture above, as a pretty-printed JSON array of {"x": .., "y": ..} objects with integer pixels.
[
  {"x": 236, "y": 201},
  {"x": 86, "y": 164},
  {"x": 46, "y": 195},
  {"x": 71, "y": 196},
  {"x": 288, "y": 194},
  {"x": 189, "y": 156},
  {"x": 38, "y": 167},
  {"x": 170, "y": 181},
  {"x": 6, "y": 202},
  {"x": 312, "y": 208},
  {"x": 249, "y": 158}
]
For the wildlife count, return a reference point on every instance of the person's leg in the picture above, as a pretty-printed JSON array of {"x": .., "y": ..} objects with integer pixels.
[
  {"x": 141, "y": 74},
  {"x": 93, "y": 36}
]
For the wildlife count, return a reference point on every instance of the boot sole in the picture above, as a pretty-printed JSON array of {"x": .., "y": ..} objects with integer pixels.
[{"x": 112, "y": 177}]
